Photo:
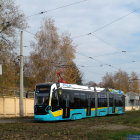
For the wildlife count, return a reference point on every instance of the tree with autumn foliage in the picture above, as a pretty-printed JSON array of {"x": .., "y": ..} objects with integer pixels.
[
  {"x": 72, "y": 74},
  {"x": 51, "y": 52},
  {"x": 121, "y": 81},
  {"x": 11, "y": 19}
]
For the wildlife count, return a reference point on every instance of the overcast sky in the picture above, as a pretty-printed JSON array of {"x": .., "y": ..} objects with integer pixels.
[{"x": 101, "y": 51}]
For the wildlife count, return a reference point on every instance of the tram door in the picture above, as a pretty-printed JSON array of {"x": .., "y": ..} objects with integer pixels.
[
  {"x": 88, "y": 113},
  {"x": 113, "y": 109},
  {"x": 66, "y": 107},
  {"x": 123, "y": 100}
]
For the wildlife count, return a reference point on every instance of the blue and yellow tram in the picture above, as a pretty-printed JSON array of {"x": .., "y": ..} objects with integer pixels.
[{"x": 59, "y": 101}]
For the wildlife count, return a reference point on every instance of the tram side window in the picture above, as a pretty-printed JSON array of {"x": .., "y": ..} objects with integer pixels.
[
  {"x": 77, "y": 103},
  {"x": 80, "y": 99},
  {"x": 71, "y": 100},
  {"x": 77, "y": 99},
  {"x": 64, "y": 98},
  {"x": 110, "y": 100},
  {"x": 92, "y": 100},
  {"x": 118, "y": 100},
  {"x": 123, "y": 100},
  {"x": 102, "y": 100},
  {"x": 83, "y": 102}
]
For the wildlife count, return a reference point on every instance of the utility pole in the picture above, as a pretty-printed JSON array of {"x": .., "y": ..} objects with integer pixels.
[{"x": 21, "y": 76}]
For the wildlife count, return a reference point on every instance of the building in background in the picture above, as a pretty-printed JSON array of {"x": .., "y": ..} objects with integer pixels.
[{"x": 132, "y": 101}]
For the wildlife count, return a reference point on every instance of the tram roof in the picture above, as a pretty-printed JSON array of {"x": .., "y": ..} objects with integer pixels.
[
  {"x": 79, "y": 87},
  {"x": 115, "y": 91}
]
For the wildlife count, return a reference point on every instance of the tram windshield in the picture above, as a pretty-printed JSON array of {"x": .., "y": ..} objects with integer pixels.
[{"x": 42, "y": 94}]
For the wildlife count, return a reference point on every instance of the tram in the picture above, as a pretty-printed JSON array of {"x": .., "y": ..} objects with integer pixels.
[{"x": 62, "y": 101}]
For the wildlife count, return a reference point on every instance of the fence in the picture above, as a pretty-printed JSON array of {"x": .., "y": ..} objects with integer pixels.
[
  {"x": 132, "y": 108},
  {"x": 9, "y": 106}
]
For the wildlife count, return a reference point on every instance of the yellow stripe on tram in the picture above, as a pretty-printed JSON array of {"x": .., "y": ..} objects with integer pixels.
[
  {"x": 117, "y": 110},
  {"x": 92, "y": 109},
  {"x": 102, "y": 107},
  {"x": 57, "y": 113}
]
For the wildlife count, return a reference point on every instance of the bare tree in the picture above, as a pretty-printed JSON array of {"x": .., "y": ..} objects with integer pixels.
[
  {"x": 134, "y": 82},
  {"x": 108, "y": 80},
  {"x": 91, "y": 83}
]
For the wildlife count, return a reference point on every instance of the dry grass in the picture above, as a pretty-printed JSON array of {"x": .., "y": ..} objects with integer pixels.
[{"x": 98, "y": 128}]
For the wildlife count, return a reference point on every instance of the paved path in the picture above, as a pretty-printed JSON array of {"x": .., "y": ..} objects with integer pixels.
[{"x": 16, "y": 121}]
